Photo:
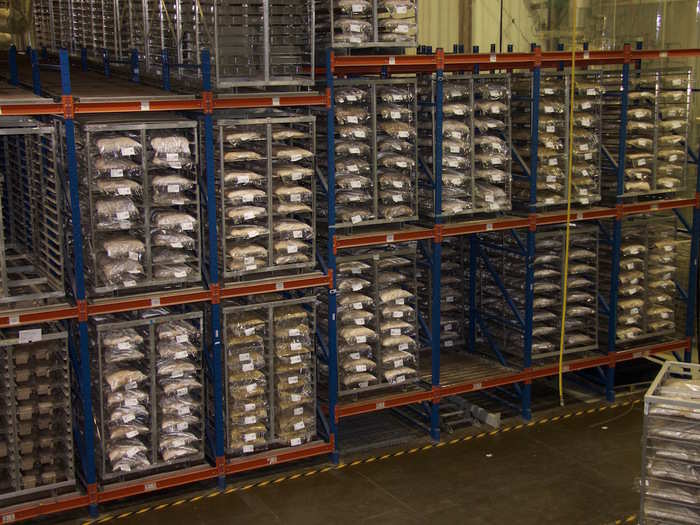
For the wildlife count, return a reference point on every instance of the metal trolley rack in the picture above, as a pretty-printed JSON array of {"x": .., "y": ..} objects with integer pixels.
[
  {"x": 68, "y": 107},
  {"x": 32, "y": 242},
  {"x": 671, "y": 447}
]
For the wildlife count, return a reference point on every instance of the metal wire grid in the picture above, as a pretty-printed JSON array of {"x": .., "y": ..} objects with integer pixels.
[
  {"x": 273, "y": 438},
  {"x": 36, "y": 412},
  {"x": 147, "y": 328}
]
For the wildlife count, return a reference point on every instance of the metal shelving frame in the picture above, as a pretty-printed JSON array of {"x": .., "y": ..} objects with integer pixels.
[
  {"x": 68, "y": 107},
  {"x": 534, "y": 218}
]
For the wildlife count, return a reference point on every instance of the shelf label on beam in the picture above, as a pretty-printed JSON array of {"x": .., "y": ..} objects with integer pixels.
[
  {"x": 663, "y": 54},
  {"x": 14, "y": 319},
  {"x": 272, "y": 460},
  {"x": 279, "y": 286},
  {"x": 155, "y": 301},
  {"x": 565, "y": 368},
  {"x": 489, "y": 226},
  {"x": 492, "y": 57},
  {"x": 654, "y": 207},
  {"x": 380, "y": 405},
  {"x": 145, "y": 106},
  {"x": 579, "y": 216},
  {"x": 477, "y": 386},
  {"x": 389, "y": 237},
  {"x": 586, "y": 55},
  {"x": 29, "y": 336},
  {"x": 148, "y": 487},
  {"x": 392, "y": 60},
  {"x": 8, "y": 518},
  {"x": 275, "y": 101}
]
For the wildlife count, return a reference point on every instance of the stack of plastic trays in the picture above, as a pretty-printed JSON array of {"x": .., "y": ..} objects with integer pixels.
[
  {"x": 248, "y": 368},
  {"x": 149, "y": 396},
  {"x": 641, "y": 115},
  {"x": 452, "y": 294},
  {"x": 670, "y": 482},
  {"x": 553, "y": 134},
  {"x": 36, "y": 452},
  {"x": 266, "y": 193},
  {"x": 672, "y": 134},
  {"x": 587, "y": 157},
  {"x": 294, "y": 367},
  {"x": 141, "y": 203}
]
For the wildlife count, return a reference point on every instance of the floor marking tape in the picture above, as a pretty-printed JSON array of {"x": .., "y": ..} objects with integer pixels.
[
  {"x": 481, "y": 435},
  {"x": 428, "y": 447},
  {"x": 105, "y": 519},
  {"x": 146, "y": 509},
  {"x": 311, "y": 472},
  {"x": 125, "y": 515},
  {"x": 232, "y": 489},
  {"x": 163, "y": 505},
  {"x": 180, "y": 502},
  {"x": 264, "y": 483},
  {"x": 413, "y": 450},
  {"x": 251, "y": 486},
  {"x": 566, "y": 416},
  {"x": 453, "y": 441},
  {"x": 356, "y": 462},
  {"x": 441, "y": 444}
]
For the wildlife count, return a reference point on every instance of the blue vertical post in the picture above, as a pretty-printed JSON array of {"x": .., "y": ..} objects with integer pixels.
[
  {"x": 475, "y": 50},
  {"x": 135, "y": 73},
  {"x": 83, "y": 59},
  {"x": 165, "y": 69},
  {"x": 526, "y": 391},
  {"x": 36, "y": 75},
  {"x": 560, "y": 47},
  {"x": 638, "y": 63},
  {"x": 436, "y": 252},
  {"x": 693, "y": 273},
  {"x": 217, "y": 362},
  {"x": 332, "y": 267},
  {"x": 617, "y": 228},
  {"x": 84, "y": 380},
  {"x": 105, "y": 63},
  {"x": 12, "y": 59},
  {"x": 473, "y": 258}
]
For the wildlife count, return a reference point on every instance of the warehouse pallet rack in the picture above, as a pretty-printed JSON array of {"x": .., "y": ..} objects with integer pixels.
[
  {"x": 457, "y": 382},
  {"x": 69, "y": 106},
  {"x": 83, "y": 310}
]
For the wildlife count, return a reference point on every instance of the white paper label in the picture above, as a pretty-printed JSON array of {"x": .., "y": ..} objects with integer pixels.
[
  {"x": 357, "y": 306},
  {"x": 183, "y": 411},
  {"x": 489, "y": 198},
  {"x": 548, "y": 109},
  {"x": 360, "y": 368},
  {"x": 583, "y": 147},
  {"x": 585, "y": 105},
  {"x": 187, "y": 226},
  {"x": 588, "y": 156},
  {"x": 295, "y": 359},
  {"x": 171, "y": 157},
  {"x": 122, "y": 215},
  {"x": 360, "y": 133},
  {"x": 672, "y": 158},
  {"x": 586, "y": 121},
  {"x": 401, "y": 9},
  {"x": 361, "y": 339},
  {"x": 363, "y": 384},
  {"x": 402, "y": 28},
  {"x": 454, "y": 149},
  {"x": 354, "y": 150},
  {"x": 176, "y": 244},
  {"x": 352, "y": 119},
  {"x": 295, "y": 346},
  {"x": 292, "y": 248},
  {"x": 634, "y": 310},
  {"x": 243, "y": 179},
  {"x": 116, "y": 173},
  {"x": 448, "y": 327},
  {"x": 448, "y": 344},
  {"x": 550, "y": 129},
  {"x": 551, "y": 178},
  {"x": 641, "y": 162},
  {"x": 176, "y": 374},
  {"x": 123, "y": 191},
  {"x": 298, "y": 411},
  {"x": 450, "y": 299},
  {"x": 181, "y": 391},
  {"x": 397, "y": 315},
  {"x": 354, "y": 355},
  {"x": 395, "y": 115},
  {"x": 395, "y": 331},
  {"x": 296, "y": 398},
  {"x": 549, "y": 200},
  {"x": 355, "y": 28},
  {"x": 360, "y": 322},
  {"x": 403, "y": 134},
  {"x": 248, "y": 260},
  {"x": 131, "y": 402},
  {"x": 250, "y": 436},
  {"x": 251, "y": 388},
  {"x": 174, "y": 188},
  {"x": 400, "y": 379},
  {"x": 248, "y": 449},
  {"x": 583, "y": 191},
  {"x": 293, "y": 380},
  {"x": 294, "y": 332},
  {"x": 132, "y": 433},
  {"x": 128, "y": 417},
  {"x": 495, "y": 110},
  {"x": 248, "y": 407},
  {"x": 397, "y": 198},
  {"x": 250, "y": 420},
  {"x": 295, "y": 442},
  {"x": 127, "y": 152},
  {"x": 123, "y": 345},
  {"x": 398, "y": 363},
  {"x": 548, "y": 91},
  {"x": 182, "y": 338},
  {"x": 355, "y": 219},
  {"x": 179, "y": 274},
  {"x": 400, "y": 300},
  {"x": 553, "y": 162},
  {"x": 248, "y": 367}
]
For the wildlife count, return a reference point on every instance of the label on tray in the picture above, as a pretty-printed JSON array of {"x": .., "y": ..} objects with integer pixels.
[
  {"x": 299, "y": 425},
  {"x": 176, "y": 374},
  {"x": 355, "y": 28},
  {"x": 171, "y": 157},
  {"x": 549, "y": 200},
  {"x": 294, "y": 332},
  {"x": 397, "y": 314},
  {"x": 354, "y": 150},
  {"x": 123, "y": 191},
  {"x": 251, "y": 388},
  {"x": 360, "y": 368},
  {"x": 179, "y": 274},
  {"x": 292, "y": 248},
  {"x": 352, "y": 119},
  {"x": 357, "y": 306},
  {"x": 183, "y": 411},
  {"x": 127, "y": 152},
  {"x": 360, "y": 133},
  {"x": 122, "y": 215},
  {"x": 584, "y": 147},
  {"x": 296, "y": 176},
  {"x": 295, "y": 442},
  {"x": 585, "y": 105},
  {"x": 123, "y": 345},
  {"x": 187, "y": 226},
  {"x": 296, "y": 398},
  {"x": 249, "y": 407},
  {"x": 548, "y": 109},
  {"x": 129, "y": 283},
  {"x": 116, "y": 173},
  {"x": 400, "y": 301},
  {"x": 395, "y": 114},
  {"x": 250, "y": 436},
  {"x": 173, "y": 188},
  {"x": 401, "y": 9},
  {"x": 403, "y": 134},
  {"x": 182, "y": 426},
  {"x": 356, "y": 287},
  {"x": 293, "y": 380},
  {"x": 550, "y": 129},
  {"x": 361, "y": 339},
  {"x": 182, "y": 338},
  {"x": 132, "y": 433},
  {"x": 553, "y": 162},
  {"x": 363, "y": 384},
  {"x": 448, "y": 327},
  {"x": 360, "y": 322},
  {"x": 250, "y": 420},
  {"x": 450, "y": 299},
  {"x": 450, "y": 343},
  {"x": 402, "y": 28},
  {"x": 298, "y": 411},
  {"x": 395, "y": 331},
  {"x": 295, "y": 359},
  {"x": 248, "y": 449},
  {"x": 128, "y": 417},
  {"x": 672, "y": 158},
  {"x": 295, "y": 346},
  {"x": 181, "y": 391},
  {"x": 400, "y": 379},
  {"x": 248, "y": 367},
  {"x": 397, "y": 198},
  {"x": 355, "y": 219}
]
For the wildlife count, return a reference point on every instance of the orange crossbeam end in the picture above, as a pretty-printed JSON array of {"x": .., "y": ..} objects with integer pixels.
[{"x": 14, "y": 110}]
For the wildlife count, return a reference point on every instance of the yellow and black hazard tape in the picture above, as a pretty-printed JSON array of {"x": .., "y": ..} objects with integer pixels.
[
  {"x": 371, "y": 459},
  {"x": 632, "y": 518}
]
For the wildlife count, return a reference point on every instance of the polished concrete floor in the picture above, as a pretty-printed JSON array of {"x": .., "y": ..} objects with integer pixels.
[{"x": 576, "y": 470}]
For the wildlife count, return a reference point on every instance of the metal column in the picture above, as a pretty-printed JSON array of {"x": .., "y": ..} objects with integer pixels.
[
  {"x": 87, "y": 450},
  {"x": 332, "y": 271},
  {"x": 436, "y": 252},
  {"x": 693, "y": 272},
  {"x": 214, "y": 285},
  {"x": 617, "y": 228}
]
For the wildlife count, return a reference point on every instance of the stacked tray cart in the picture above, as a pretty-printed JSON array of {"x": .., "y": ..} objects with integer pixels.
[
  {"x": 269, "y": 373},
  {"x": 657, "y": 132},
  {"x": 32, "y": 242},
  {"x": 670, "y": 482},
  {"x": 377, "y": 336},
  {"x": 140, "y": 202},
  {"x": 349, "y": 24},
  {"x": 647, "y": 279},
  {"x": 375, "y": 151},
  {"x": 553, "y": 138},
  {"x": 265, "y": 189},
  {"x": 148, "y": 392},
  {"x": 501, "y": 268},
  {"x": 36, "y": 448},
  {"x": 476, "y": 145}
]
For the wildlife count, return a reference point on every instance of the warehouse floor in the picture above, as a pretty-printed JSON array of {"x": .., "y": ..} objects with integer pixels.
[{"x": 546, "y": 472}]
